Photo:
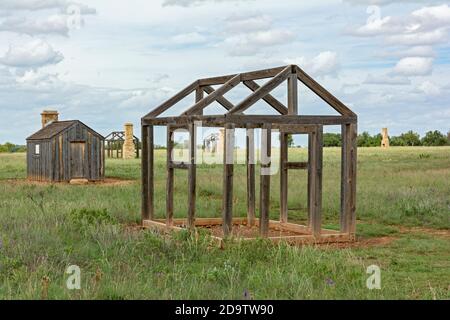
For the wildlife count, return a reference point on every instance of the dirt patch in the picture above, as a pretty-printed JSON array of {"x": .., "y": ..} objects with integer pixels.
[
  {"x": 361, "y": 243},
  {"x": 444, "y": 233},
  {"x": 243, "y": 231},
  {"x": 105, "y": 182}
]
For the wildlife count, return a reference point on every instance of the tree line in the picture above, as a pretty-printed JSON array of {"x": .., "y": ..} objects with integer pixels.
[
  {"x": 410, "y": 138},
  {"x": 11, "y": 147}
]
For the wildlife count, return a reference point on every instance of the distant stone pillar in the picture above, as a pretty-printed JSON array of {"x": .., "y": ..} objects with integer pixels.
[
  {"x": 384, "y": 138},
  {"x": 128, "y": 148},
  {"x": 48, "y": 116}
]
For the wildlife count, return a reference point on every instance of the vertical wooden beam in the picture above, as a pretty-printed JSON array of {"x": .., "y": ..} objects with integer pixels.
[
  {"x": 170, "y": 178},
  {"x": 266, "y": 153},
  {"x": 348, "y": 178},
  {"x": 199, "y": 94},
  {"x": 250, "y": 158},
  {"x": 151, "y": 173},
  {"x": 283, "y": 177},
  {"x": 228, "y": 180},
  {"x": 192, "y": 175},
  {"x": 293, "y": 93},
  {"x": 144, "y": 174},
  {"x": 315, "y": 181}
]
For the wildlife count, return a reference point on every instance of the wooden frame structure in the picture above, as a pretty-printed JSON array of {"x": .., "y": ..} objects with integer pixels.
[
  {"x": 114, "y": 144},
  {"x": 287, "y": 122}
]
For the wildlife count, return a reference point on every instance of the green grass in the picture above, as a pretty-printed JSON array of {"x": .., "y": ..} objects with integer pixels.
[{"x": 46, "y": 228}]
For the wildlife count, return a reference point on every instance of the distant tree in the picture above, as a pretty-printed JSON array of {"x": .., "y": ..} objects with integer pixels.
[
  {"x": 411, "y": 138},
  {"x": 364, "y": 139},
  {"x": 376, "y": 140},
  {"x": 397, "y": 142},
  {"x": 434, "y": 138},
  {"x": 290, "y": 140},
  {"x": 332, "y": 140},
  {"x": 7, "y": 147}
]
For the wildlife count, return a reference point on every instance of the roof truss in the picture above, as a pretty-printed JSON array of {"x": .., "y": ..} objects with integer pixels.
[{"x": 276, "y": 76}]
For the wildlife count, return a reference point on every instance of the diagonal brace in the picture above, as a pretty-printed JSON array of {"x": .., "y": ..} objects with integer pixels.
[
  {"x": 273, "y": 102},
  {"x": 206, "y": 101},
  {"x": 262, "y": 91}
]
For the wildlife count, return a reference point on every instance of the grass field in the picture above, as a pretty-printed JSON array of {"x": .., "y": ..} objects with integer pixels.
[{"x": 403, "y": 210}]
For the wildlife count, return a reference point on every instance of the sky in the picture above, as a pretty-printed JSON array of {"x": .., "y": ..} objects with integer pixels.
[{"x": 110, "y": 62}]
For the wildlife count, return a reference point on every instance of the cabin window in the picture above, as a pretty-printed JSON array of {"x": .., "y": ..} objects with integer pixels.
[{"x": 37, "y": 149}]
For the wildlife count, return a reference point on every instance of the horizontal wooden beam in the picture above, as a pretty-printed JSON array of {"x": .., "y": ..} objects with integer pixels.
[
  {"x": 179, "y": 165},
  {"x": 296, "y": 165},
  {"x": 324, "y": 94},
  {"x": 254, "y": 75},
  {"x": 274, "y": 103},
  {"x": 221, "y": 100},
  {"x": 175, "y": 99},
  {"x": 230, "y": 84},
  {"x": 295, "y": 128},
  {"x": 262, "y": 91},
  {"x": 254, "y": 121},
  {"x": 182, "y": 121},
  {"x": 289, "y": 119}
]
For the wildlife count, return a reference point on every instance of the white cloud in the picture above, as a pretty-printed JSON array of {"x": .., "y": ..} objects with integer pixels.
[
  {"x": 251, "y": 24},
  {"x": 414, "y": 66},
  {"x": 188, "y": 39},
  {"x": 35, "y": 5},
  {"x": 54, "y": 24},
  {"x": 417, "y": 51},
  {"x": 190, "y": 3},
  {"x": 419, "y": 38},
  {"x": 429, "y": 88},
  {"x": 386, "y": 80},
  {"x": 247, "y": 36},
  {"x": 425, "y": 26},
  {"x": 386, "y": 2},
  {"x": 252, "y": 43},
  {"x": 33, "y": 54},
  {"x": 324, "y": 63}
]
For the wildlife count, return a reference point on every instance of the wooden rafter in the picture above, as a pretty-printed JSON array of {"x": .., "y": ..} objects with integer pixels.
[
  {"x": 228, "y": 82},
  {"x": 175, "y": 99},
  {"x": 221, "y": 100},
  {"x": 206, "y": 101},
  {"x": 274, "y": 103},
  {"x": 262, "y": 91},
  {"x": 323, "y": 93}
]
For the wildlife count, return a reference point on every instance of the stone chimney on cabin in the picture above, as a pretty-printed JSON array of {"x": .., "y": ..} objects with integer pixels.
[
  {"x": 128, "y": 145},
  {"x": 49, "y": 116},
  {"x": 385, "y": 138}
]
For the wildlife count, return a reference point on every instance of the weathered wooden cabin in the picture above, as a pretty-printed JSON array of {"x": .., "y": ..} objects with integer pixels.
[{"x": 65, "y": 150}]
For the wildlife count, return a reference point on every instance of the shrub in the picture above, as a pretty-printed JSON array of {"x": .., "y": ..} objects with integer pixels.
[{"x": 85, "y": 217}]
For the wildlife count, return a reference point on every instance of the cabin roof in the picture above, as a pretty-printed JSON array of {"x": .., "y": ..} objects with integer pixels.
[{"x": 56, "y": 128}]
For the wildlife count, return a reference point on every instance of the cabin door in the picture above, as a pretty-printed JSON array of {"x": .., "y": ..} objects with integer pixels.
[{"x": 77, "y": 160}]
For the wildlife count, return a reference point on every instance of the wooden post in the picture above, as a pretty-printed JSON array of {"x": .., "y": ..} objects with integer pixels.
[
  {"x": 348, "y": 178},
  {"x": 170, "y": 178},
  {"x": 147, "y": 210},
  {"x": 264, "y": 210},
  {"x": 151, "y": 173},
  {"x": 251, "y": 215},
  {"x": 192, "y": 175},
  {"x": 283, "y": 177},
  {"x": 315, "y": 181},
  {"x": 293, "y": 93},
  {"x": 199, "y": 93},
  {"x": 228, "y": 180}
]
